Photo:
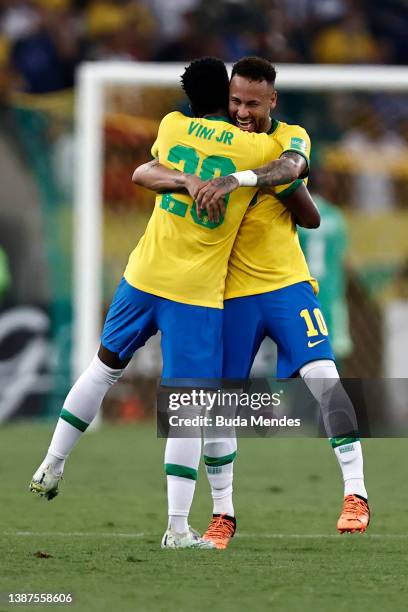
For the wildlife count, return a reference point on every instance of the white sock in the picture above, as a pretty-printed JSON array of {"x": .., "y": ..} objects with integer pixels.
[
  {"x": 80, "y": 407},
  {"x": 350, "y": 458},
  {"x": 219, "y": 455},
  {"x": 181, "y": 459},
  {"x": 56, "y": 462},
  {"x": 180, "y": 493},
  {"x": 321, "y": 377},
  {"x": 221, "y": 490}
]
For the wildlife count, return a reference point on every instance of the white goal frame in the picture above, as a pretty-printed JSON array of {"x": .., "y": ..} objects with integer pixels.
[{"x": 91, "y": 80}]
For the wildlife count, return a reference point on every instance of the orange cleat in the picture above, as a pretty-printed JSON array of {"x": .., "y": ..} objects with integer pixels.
[
  {"x": 355, "y": 515},
  {"x": 220, "y": 530}
]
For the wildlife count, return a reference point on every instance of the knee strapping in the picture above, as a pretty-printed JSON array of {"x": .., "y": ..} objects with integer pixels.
[
  {"x": 322, "y": 379},
  {"x": 219, "y": 452}
]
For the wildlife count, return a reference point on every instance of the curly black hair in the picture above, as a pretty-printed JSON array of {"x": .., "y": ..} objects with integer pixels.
[
  {"x": 206, "y": 84},
  {"x": 255, "y": 69}
]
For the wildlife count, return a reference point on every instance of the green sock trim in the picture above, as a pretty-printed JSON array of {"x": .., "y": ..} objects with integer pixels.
[
  {"x": 173, "y": 469},
  {"x": 335, "y": 442},
  {"x": 218, "y": 461},
  {"x": 73, "y": 420}
]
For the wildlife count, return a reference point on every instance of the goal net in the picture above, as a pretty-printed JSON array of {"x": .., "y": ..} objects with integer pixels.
[{"x": 358, "y": 121}]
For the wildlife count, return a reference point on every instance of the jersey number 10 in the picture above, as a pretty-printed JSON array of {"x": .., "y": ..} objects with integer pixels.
[{"x": 321, "y": 323}]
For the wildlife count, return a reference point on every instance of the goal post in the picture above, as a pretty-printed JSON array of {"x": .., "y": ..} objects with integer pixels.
[{"x": 92, "y": 79}]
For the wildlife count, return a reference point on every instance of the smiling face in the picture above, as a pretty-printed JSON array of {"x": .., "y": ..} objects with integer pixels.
[{"x": 251, "y": 103}]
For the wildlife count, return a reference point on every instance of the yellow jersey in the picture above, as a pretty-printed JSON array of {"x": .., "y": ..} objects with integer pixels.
[
  {"x": 180, "y": 256},
  {"x": 266, "y": 254}
]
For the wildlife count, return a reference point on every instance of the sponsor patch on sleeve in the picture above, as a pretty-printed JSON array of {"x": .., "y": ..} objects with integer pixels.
[{"x": 298, "y": 144}]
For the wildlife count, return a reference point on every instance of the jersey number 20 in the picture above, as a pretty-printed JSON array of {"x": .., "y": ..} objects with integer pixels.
[{"x": 209, "y": 167}]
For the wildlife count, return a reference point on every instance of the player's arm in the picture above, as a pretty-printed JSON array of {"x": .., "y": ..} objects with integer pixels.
[
  {"x": 302, "y": 206},
  {"x": 152, "y": 175},
  {"x": 289, "y": 167}
]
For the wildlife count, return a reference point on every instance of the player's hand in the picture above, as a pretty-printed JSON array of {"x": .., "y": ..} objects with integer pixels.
[
  {"x": 215, "y": 190},
  {"x": 215, "y": 209},
  {"x": 193, "y": 184}
]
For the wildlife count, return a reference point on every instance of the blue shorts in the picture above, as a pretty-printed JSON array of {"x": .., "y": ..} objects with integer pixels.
[
  {"x": 290, "y": 316},
  {"x": 191, "y": 336}
]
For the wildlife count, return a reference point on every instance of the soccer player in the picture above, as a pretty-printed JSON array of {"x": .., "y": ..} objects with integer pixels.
[
  {"x": 269, "y": 291},
  {"x": 174, "y": 282}
]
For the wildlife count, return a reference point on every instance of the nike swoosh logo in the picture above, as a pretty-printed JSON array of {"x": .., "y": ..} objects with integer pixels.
[
  {"x": 338, "y": 441},
  {"x": 312, "y": 344}
]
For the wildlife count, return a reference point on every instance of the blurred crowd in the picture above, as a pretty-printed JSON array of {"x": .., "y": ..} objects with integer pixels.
[{"x": 42, "y": 41}]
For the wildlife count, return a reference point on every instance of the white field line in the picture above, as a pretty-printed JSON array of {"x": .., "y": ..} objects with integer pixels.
[
  {"x": 73, "y": 534},
  {"x": 272, "y": 536}
]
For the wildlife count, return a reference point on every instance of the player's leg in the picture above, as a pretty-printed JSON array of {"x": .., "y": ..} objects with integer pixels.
[
  {"x": 297, "y": 325},
  {"x": 242, "y": 336},
  {"x": 323, "y": 380},
  {"x": 243, "y": 332},
  {"x": 192, "y": 349},
  {"x": 219, "y": 456},
  {"x": 129, "y": 323},
  {"x": 80, "y": 407}
]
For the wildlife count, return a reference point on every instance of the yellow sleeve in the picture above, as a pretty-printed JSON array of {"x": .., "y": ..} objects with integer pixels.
[
  {"x": 155, "y": 148},
  {"x": 295, "y": 138},
  {"x": 161, "y": 134},
  {"x": 283, "y": 191}
]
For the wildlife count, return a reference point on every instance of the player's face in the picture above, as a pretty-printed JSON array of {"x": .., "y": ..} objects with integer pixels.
[{"x": 251, "y": 103}]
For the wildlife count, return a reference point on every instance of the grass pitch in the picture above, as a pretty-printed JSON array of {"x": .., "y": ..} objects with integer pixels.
[{"x": 103, "y": 531}]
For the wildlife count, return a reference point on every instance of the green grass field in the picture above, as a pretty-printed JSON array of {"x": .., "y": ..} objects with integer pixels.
[{"x": 103, "y": 532}]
